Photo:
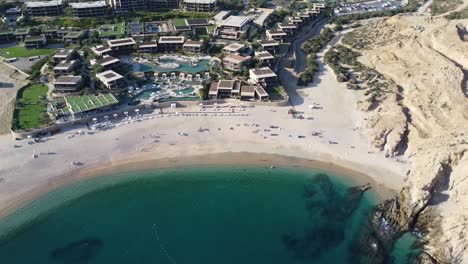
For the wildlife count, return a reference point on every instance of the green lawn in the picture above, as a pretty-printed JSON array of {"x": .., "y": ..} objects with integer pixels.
[
  {"x": 21, "y": 52},
  {"x": 109, "y": 30},
  {"x": 31, "y": 107},
  {"x": 178, "y": 22}
]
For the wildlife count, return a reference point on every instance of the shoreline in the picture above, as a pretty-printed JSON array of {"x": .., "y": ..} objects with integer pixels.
[{"x": 354, "y": 177}]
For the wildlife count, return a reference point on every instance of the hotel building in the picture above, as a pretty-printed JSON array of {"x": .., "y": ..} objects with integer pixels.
[{"x": 44, "y": 8}]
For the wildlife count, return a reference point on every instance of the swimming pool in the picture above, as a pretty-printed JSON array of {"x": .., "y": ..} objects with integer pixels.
[{"x": 201, "y": 66}]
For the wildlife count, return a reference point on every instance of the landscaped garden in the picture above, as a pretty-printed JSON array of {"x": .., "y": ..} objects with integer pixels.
[
  {"x": 21, "y": 52},
  {"x": 31, "y": 107}
]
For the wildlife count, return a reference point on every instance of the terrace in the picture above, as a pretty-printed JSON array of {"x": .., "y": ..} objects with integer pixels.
[{"x": 88, "y": 103}]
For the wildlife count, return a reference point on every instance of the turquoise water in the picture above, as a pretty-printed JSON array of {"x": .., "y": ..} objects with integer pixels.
[
  {"x": 146, "y": 94},
  {"x": 191, "y": 215},
  {"x": 202, "y": 66}
]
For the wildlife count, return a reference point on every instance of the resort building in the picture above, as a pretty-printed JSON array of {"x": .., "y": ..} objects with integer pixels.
[
  {"x": 199, "y": 5},
  {"x": 265, "y": 58},
  {"x": 232, "y": 27},
  {"x": 319, "y": 6},
  {"x": 6, "y": 35},
  {"x": 63, "y": 31},
  {"x": 269, "y": 45},
  {"x": 263, "y": 76},
  {"x": 111, "y": 79},
  {"x": 225, "y": 88},
  {"x": 222, "y": 15},
  {"x": 252, "y": 93},
  {"x": 21, "y": 33},
  {"x": 162, "y": 5},
  {"x": 101, "y": 50},
  {"x": 119, "y": 46},
  {"x": 148, "y": 46},
  {"x": 261, "y": 15},
  {"x": 51, "y": 32},
  {"x": 233, "y": 48},
  {"x": 89, "y": 9},
  {"x": 63, "y": 55},
  {"x": 277, "y": 35},
  {"x": 235, "y": 62},
  {"x": 68, "y": 84},
  {"x": 12, "y": 16},
  {"x": 192, "y": 46},
  {"x": 107, "y": 62},
  {"x": 121, "y": 6},
  {"x": 287, "y": 28},
  {"x": 65, "y": 67},
  {"x": 297, "y": 21},
  {"x": 35, "y": 42},
  {"x": 168, "y": 43},
  {"x": 44, "y": 8},
  {"x": 213, "y": 93},
  {"x": 304, "y": 17},
  {"x": 312, "y": 12},
  {"x": 85, "y": 104},
  {"x": 74, "y": 37}
]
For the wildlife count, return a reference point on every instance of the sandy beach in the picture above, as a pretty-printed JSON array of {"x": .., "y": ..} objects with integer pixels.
[{"x": 176, "y": 137}]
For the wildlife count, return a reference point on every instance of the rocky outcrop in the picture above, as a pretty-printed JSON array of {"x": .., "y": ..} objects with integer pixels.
[{"x": 425, "y": 118}]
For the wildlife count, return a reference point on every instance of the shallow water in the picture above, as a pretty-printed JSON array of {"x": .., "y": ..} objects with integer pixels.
[{"x": 192, "y": 215}]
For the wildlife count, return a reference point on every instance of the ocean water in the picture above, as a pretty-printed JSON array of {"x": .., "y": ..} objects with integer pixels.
[{"x": 193, "y": 215}]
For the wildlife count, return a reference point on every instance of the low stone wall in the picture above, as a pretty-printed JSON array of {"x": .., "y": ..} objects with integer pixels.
[{"x": 284, "y": 102}]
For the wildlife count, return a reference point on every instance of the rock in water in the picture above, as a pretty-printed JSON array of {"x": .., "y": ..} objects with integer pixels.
[{"x": 77, "y": 251}]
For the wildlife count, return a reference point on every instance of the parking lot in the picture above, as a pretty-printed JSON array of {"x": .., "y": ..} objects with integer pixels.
[{"x": 371, "y": 6}]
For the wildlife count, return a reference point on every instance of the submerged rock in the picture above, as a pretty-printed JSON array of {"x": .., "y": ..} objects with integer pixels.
[
  {"x": 329, "y": 211},
  {"x": 77, "y": 251}
]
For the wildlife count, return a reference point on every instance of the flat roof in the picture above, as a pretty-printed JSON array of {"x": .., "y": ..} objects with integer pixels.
[
  {"x": 276, "y": 32},
  {"x": 86, "y": 103},
  {"x": 234, "y": 47},
  {"x": 67, "y": 79},
  {"x": 200, "y": 1},
  {"x": 148, "y": 44},
  {"x": 109, "y": 76},
  {"x": 236, "y": 58},
  {"x": 107, "y": 60},
  {"x": 225, "y": 84},
  {"x": 64, "y": 65},
  {"x": 93, "y": 4},
  {"x": 101, "y": 48},
  {"x": 286, "y": 25},
  {"x": 235, "y": 21},
  {"x": 260, "y": 91},
  {"x": 266, "y": 42},
  {"x": 197, "y": 22},
  {"x": 6, "y": 31},
  {"x": 34, "y": 38},
  {"x": 120, "y": 42},
  {"x": 63, "y": 52},
  {"x": 265, "y": 55},
  {"x": 213, "y": 88},
  {"x": 248, "y": 90},
  {"x": 192, "y": 43},
  {"x": 168, "y": 39},
  {"x": 221, "y": 15},
  {"x": 74, "y": 34},
  {"x": 263, "y": 72},
  {"x": 44, "y": 3},
  {"x": 22, "y": 31}
]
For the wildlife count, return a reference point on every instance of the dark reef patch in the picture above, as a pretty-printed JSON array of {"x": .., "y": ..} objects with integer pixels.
[{"x": 77, "y": 251}]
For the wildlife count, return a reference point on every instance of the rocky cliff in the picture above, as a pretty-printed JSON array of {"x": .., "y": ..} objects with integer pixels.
[{"x": 422, "y": 115}]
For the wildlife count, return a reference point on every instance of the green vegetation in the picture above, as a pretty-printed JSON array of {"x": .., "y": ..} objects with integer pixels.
[
  {"x": 31, "y": 108},
  {"x": 462, "y": 14},
  {"x": 179, "y": 22},
  {"x": 311, "y": 47},
  {"x": 79, "y": 104},
  {"x": 35, "y": 71},
  {"x": 112, "y": 30},
  {"x": 230, "y": 4},
  {"x": 339, "y": 56},
  {"x": 443, "y": 6},
  {"x": 21, "y": 52},
  {"x": 257, "y": 3}
]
